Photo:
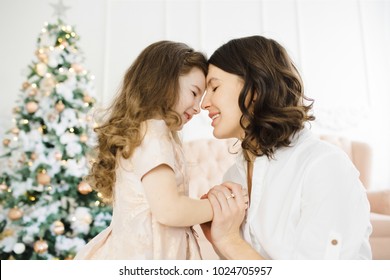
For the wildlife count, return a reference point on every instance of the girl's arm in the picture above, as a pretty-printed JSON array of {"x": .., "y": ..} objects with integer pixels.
[{"x": 167, "y": 205}]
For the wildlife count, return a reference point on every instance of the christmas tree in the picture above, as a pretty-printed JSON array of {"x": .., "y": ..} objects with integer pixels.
[{"x": 47, "y": 211}]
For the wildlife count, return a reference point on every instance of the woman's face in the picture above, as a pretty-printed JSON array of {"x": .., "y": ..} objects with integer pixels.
[
  {"x": 192, "y": 87},
  {"x": 221, "y": 100}
]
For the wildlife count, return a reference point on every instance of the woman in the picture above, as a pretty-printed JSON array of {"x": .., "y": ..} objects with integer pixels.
[{"x": 306, "y": 200}]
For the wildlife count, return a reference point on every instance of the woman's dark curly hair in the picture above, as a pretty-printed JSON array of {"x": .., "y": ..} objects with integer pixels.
[
  {"x": 150, "y": 89},
  {"x": 272, "y": 100}
]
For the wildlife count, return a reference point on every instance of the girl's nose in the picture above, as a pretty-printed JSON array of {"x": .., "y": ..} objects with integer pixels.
[{"x": 196, "y": 107}]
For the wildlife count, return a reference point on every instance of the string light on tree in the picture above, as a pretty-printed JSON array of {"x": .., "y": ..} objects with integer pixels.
[{"x": 19, "y": 248}]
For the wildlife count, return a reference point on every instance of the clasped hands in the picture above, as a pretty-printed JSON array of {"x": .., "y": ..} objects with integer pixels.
[{"x": 229, "y": 202}]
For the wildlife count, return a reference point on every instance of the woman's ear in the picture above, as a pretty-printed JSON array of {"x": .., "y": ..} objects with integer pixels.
[
  {"x": 250, "y": 99},
  {"x": 255, "y": 94}
]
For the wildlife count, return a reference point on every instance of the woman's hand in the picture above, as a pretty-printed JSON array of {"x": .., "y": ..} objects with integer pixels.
[
  {"x": 229, "y": 202},
  {"x": 229, "y": 206}
]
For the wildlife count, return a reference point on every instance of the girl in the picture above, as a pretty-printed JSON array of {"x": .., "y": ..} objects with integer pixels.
[{"x": 140, "y": 163}]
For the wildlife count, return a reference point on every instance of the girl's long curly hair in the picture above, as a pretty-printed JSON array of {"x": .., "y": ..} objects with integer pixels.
[
  {"x": 272, "y": 100},
  {"x": 150, "y": 89}
]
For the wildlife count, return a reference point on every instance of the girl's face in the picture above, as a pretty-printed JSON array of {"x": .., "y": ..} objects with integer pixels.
[
  {"x": 221, "y": 100},
  {"x": 192, "y": 87}
]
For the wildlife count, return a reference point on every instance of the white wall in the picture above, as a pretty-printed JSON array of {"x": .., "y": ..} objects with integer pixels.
[{"x": 341, "y": 48}]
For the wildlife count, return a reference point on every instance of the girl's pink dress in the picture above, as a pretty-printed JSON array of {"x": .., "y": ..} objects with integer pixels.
[{"x": 134, "y": 233}]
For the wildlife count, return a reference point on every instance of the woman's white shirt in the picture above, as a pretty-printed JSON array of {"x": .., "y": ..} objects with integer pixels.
[{"x": 306, "y": 203}]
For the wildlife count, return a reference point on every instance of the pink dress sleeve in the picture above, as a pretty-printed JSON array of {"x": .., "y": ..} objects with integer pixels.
[{"x": 155, "y": 149}]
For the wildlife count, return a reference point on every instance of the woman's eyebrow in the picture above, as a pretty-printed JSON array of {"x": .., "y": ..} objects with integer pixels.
[{"x": 211, "y": 80}]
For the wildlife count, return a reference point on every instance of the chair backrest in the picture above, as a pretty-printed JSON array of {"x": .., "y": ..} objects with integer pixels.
[
  {"x": 208, "y": 159},
  {"x": 360, "y": 154}
]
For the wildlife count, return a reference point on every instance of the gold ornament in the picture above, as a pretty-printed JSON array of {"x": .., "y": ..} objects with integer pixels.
[
  {"x": 6, "y": 142},
  {"x": 15, "y": 130},
  {"x": 64, "y": 44},
  {"x": 42, "y": 56},
  {"x": 58, "y": 227},
  {"x": 16, "y": 110},
  {"x": 40, "y": 246},
  {"x": 51, "y": 117},
  {"x": 6, "y": 233},
  {"x": 60, "y": 106},
  {"x": 33, "y": 156},
  {"x": 58, "y": 155},
  {"x": 15, "y": 213},
  {"x": 69, "y": 257},
  {"x": 83, "y": 138},
  {"x": 84, "y": 188},
  {"x": 87, "y": 99},
  {"x": 26, "y": 85},
  {"x": 22, "y": 159},
  {"x": 41, "y": 69},
  {"x": 31, "y": 107},
  {"x": 3, "y": 187},
  {"x": 77, "y": 68},
  {"x": 43, "y": 178},
  {"x": 33, "y": 91},
  {"x": 47, "y": 84}
]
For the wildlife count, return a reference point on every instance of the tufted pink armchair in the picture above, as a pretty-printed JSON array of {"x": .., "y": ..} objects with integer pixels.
[{"x": 208, "y": 159}]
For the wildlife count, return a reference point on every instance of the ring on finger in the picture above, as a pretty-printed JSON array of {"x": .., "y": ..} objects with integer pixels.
[{"x": 231, "y": 196}]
